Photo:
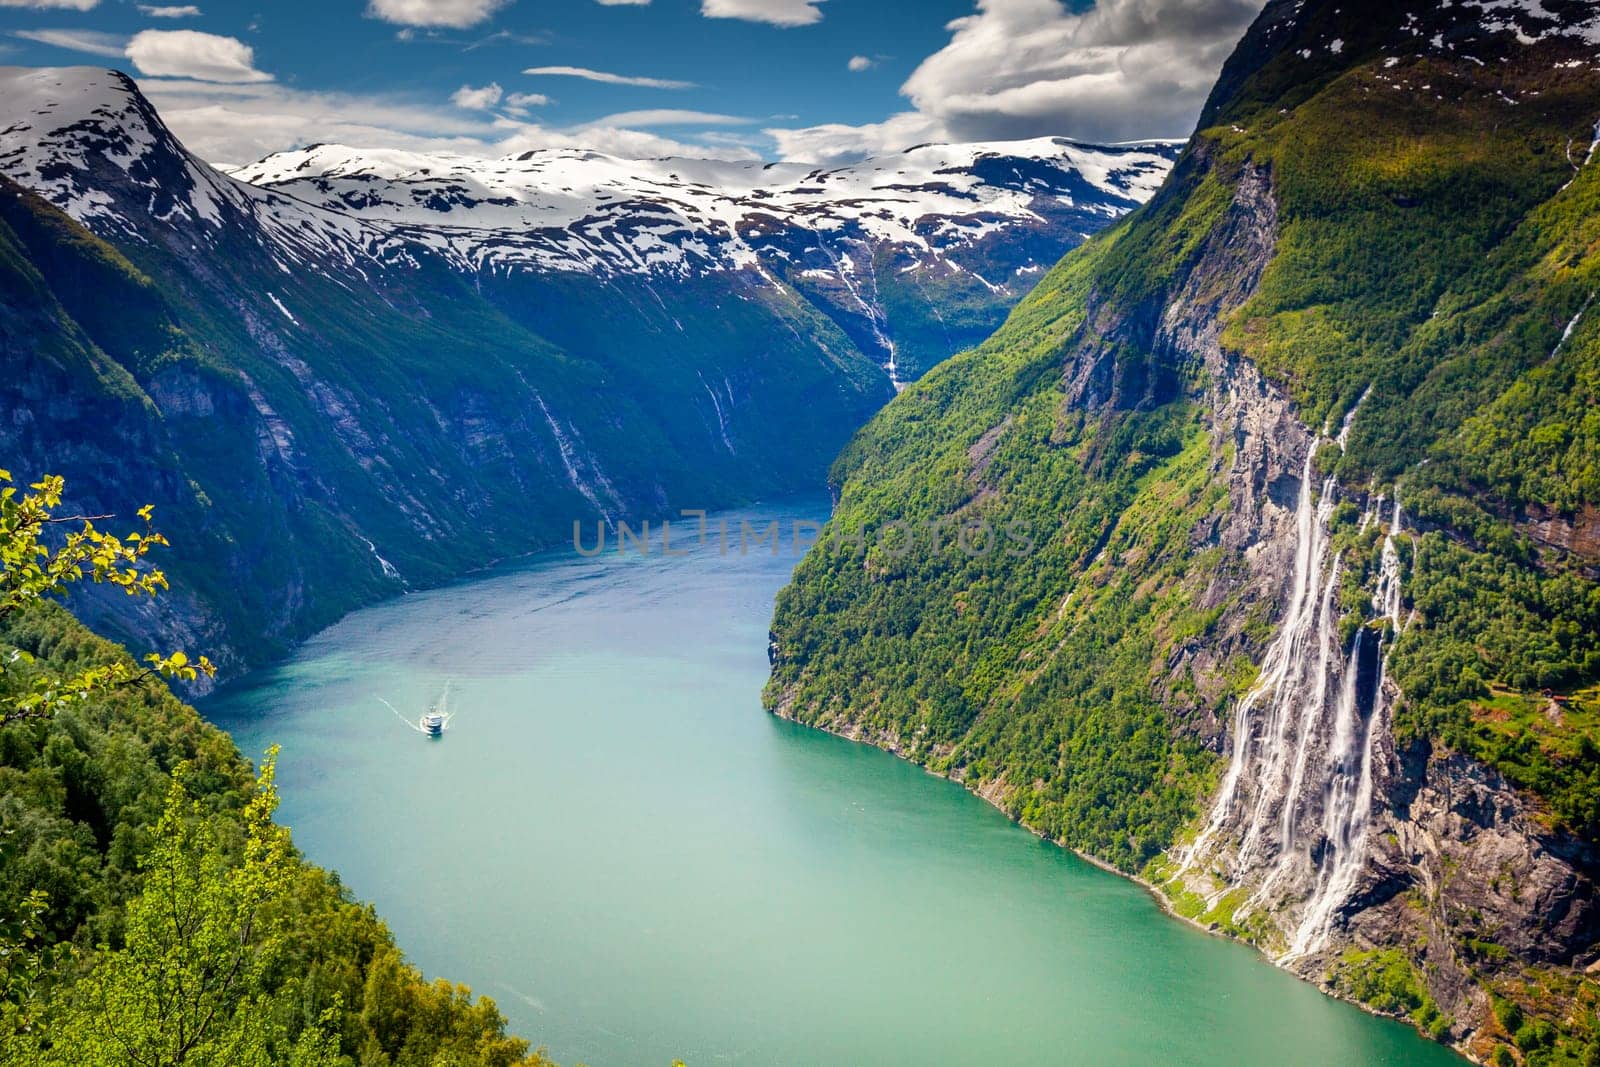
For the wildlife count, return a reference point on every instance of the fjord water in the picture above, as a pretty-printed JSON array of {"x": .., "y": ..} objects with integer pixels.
[{"x": 615, "y": 842}]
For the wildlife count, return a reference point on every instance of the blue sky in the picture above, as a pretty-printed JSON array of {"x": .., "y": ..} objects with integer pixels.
[{"x": 814, "y": 79}]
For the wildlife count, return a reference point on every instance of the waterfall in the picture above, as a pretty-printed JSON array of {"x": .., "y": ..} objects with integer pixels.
[
  {"x": 1304, "y": 690},
  {"x": 388, "y": 568},
  {"x": 1386, "y": 598},
  {"x": 716, "y": 402},
  {"x": 844, "y": 268},
  {"x": 1281, "y": 658},
  {"x": 1326, "y": 650},
  {"x": 1347, "y": 813},
  {"x": 1291, "y": 817},
  {"x": 1572, "y": 324},
  {"x": 569, "y": 461}
]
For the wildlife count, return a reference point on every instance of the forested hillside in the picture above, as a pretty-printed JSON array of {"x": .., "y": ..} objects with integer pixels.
[
  {"x": 1307, "y": 621},
  {"x": 150, "y": 910}
]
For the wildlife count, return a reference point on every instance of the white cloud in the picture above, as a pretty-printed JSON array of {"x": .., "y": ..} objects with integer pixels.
[
  {"x": 630, "y": 144},
  {"x": 232, "y": 124},
  {"x": 505, "y": 37},
  {"x": 668, "y": 116},
  {"x": 477, "y": 99},
  {"x": 58, "y": 5},
  {"x": 185, "y": 11},
  {"x": 838, "y": 143},
  {"x": 776, "y": 12},
  {"x": 1119, "y": 70},
  {"x": 751, "y": 141},
  {"x": 608, "y": 78},
  {"x": 519, "y": 105},
  {"x": 192, "y": 54},
  {"x": 413, "y": 35},
  {"x": 92, "y": 42},
  {"x": 456, "y": 14},
  {"x": 238, "y": 123}
]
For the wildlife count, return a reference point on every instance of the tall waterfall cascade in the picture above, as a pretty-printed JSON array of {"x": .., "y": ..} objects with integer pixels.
[{"x": 1287, "y": 832}]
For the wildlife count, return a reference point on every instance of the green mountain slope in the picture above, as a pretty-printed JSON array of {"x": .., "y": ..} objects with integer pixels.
[
  {"x": 390, "y": 437},
  {"x": 1180, "y": 664},
  {"x": 83, "y": 792}
]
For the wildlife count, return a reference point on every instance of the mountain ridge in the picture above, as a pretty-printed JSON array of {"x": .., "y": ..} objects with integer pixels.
[
  {"x": 971, "y": 224},
  {"x": 544, "y": 194}
]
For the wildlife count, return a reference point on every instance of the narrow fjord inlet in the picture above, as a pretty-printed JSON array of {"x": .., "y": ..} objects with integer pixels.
[
  {"x": 616, "y": 844},
  {"x": 1132, "y": 594}
]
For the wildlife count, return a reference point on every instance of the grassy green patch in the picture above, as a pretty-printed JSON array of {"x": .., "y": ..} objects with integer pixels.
[{"x": 1386, "y": 980}]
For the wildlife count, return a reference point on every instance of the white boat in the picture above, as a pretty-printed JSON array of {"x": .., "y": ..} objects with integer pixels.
[
  {"x": 436, "y": 720},
  {"x": 431, "y": 723}
]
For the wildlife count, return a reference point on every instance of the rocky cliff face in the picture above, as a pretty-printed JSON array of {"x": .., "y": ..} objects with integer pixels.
[
  {"x": 1310, "y": 647},
  {"x": 1326, "y": 839}
]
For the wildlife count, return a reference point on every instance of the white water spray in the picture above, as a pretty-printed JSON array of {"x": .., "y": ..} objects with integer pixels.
[
  {"x": 569, "y": 457},
  {"x": 1292, "y": 815},
  {"x": 1280, "y": 659},
  {"x": 384, "y": 565},
  {"x": 716, "y": 404},
  {"x": 1347, "y": 813}
]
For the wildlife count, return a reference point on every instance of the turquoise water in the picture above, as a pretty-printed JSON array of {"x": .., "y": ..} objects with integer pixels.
[{"x": 619, "y": 846}]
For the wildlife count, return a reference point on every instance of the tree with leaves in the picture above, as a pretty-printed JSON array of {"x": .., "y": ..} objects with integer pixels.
[
  {"x": 26, "y": 958},
  {"x": 132, "y": 826},
  {"x": 42, "y": 554},
  {"x": 191, "y": 983}
]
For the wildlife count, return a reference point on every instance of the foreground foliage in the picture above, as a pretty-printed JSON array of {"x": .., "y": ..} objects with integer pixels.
[
  {"x": 151, "y": 912},
  {"x": 32, "y": 567}
]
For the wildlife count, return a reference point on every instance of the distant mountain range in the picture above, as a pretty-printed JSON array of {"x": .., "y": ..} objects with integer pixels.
[
  {"x": 339, "y": 373},
  {"x": 884, "y": 247}
]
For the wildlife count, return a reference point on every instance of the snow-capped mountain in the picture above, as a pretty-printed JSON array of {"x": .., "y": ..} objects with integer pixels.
[
  {"x": 89, "y": 142},
  {"x": 915, "y": 256},
  {"x": 566, "y": 209},
  {"x": 336, "y": 372}
]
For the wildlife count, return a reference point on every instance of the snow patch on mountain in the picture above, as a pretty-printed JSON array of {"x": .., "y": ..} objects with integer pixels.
[
  {"x": 570, "y": 209},
  {"x": 88, "y": 141},
  {"x": 1531, "y": 22}
]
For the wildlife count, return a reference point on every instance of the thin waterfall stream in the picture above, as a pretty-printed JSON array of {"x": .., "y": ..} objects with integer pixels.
[{"x": 1290, "y": 820}]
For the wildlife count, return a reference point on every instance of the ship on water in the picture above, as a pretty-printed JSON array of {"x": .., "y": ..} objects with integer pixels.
[
  {"x": 431, "y": 723},
  {"x": 436, "y": 719}
]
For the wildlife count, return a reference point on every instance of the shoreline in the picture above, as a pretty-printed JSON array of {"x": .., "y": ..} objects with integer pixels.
[
  {"x": 888, "y": 745},
  {"x": 1162, "y": 901}
]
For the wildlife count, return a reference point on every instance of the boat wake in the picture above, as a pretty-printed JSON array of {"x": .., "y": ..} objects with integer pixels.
[{"x": 431, "y": 723}]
